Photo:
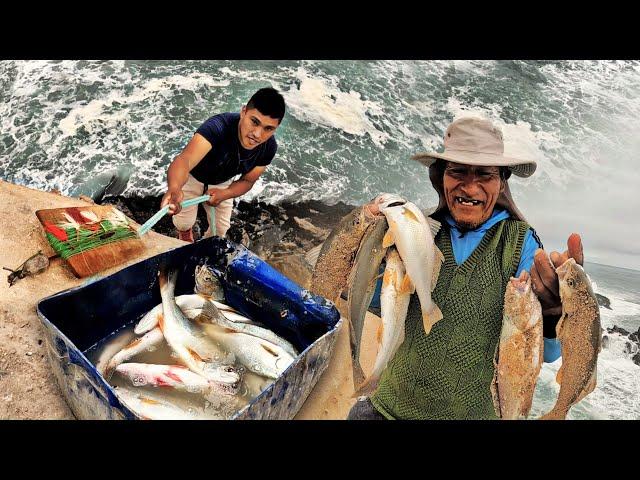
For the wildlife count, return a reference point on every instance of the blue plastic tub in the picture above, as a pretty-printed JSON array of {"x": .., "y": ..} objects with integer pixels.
[{"x": 77, "y": 319}]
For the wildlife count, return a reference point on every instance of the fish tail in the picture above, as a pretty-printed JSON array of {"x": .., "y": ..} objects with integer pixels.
[
  {"x": 555, "y": 414},
  {"x": 367, "y": 388},
  {"x": 358, "y": 373},
  {"x": 430, "y": 317}
]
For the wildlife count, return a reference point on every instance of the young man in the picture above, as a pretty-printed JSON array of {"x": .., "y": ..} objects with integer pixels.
[
  {"x": 226, "y": 145},
  {"x": 485, "y": 240}
]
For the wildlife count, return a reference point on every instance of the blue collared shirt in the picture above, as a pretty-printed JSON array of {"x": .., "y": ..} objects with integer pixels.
[{"x": 463, "y": 246}]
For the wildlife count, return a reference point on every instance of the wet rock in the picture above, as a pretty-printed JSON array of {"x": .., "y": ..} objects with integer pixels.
[
  {"x": 603, "y": 301},
  {"x": 279, "y": 233},
  {"x": 616, "y": 329}
]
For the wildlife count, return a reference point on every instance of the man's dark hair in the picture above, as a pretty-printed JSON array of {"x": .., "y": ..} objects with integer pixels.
[{"x": 269, "y": 102}]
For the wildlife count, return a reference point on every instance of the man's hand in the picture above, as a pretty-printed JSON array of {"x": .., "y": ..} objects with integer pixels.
[
  {"x": 544, "y": 278},
  {"x": 173, "y": 198},
  {"x": 217, "y": 195}
]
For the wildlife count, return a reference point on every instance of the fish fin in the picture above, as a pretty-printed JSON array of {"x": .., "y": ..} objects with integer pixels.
[
  {"x": 269, "y": 349},
  {"x": 367, "y": 388},
  {"x": 434, "y": 226},
  {"x": 590, "y": 386},
  {"x": 312, "y": 255},
  {"x": 388, "y": 239},
  {"x": 410, "y": 215},
  {"x": 208, "y": 314},
  {"x": 555, "y": 414},
  {"x": 161, "y": 322},
  {"x": 438, "y": 260},
  {"x": 559, "y": 326},
  {"x": 559, "y": 375},
  {"x": 195, "y": 355},
  {"x": 430, "y": 318},
  {"x": 407, "y": 285},
  {"x": 379, "y": 334}
]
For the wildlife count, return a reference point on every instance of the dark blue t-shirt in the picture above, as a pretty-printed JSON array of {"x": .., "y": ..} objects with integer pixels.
[{"x": 228, "y": 158}]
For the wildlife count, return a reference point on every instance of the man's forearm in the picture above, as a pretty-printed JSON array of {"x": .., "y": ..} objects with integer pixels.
[
  {"x": 239, "y": 187},
  {"x": 177, "y": 174}
]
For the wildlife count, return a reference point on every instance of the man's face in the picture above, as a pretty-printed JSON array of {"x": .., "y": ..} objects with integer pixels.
[
  {"x": 471, "y": 193},
  {"x": 255, "y": 128}
]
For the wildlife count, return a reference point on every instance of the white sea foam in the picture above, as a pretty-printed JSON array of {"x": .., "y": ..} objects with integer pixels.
[
  {"x": 320, "y": 101},
  {"x": 97, "y": 110}
]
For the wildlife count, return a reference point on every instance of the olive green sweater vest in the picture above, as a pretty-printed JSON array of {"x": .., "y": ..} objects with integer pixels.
[{"x": 447, "y": 374}]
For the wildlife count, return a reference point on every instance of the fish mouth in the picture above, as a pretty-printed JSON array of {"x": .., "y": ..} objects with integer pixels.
[
  {"x": 467, "y": 202},
  {"x": 387, "y": 200},
  {"x": 565, "y": 268}
]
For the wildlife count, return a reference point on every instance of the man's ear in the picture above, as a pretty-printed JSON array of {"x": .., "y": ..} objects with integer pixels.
[
  {"x": 243, "y": 110},
  {"x": 502, "y": 185}
]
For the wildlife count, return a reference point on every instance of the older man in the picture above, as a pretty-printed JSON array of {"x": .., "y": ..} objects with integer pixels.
[{"x": 485, "y": 240}]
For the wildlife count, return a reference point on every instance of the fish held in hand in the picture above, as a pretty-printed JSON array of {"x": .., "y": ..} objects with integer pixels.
[
  {"x": 580, "y": 336},
  {"x": 519, "y": 353},
  {"x": 335, "y": 261},
  {"x": 413, "y": 235},
  {"x": 394, "y": 300}
]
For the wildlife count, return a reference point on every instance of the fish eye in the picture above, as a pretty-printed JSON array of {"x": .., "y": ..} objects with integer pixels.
[{"x": 570, "y": 282}]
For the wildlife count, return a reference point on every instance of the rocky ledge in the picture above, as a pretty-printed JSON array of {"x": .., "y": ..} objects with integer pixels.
[{"x": 279, "y": 234}]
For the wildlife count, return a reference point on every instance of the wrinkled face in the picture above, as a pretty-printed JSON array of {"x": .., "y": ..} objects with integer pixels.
[
  {"x": 255, "y": 128},
  {"x": 471, "y": 193}
]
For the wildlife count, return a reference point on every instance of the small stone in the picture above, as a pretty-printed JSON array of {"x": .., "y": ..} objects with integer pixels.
[{"x": 29, "y": 354}]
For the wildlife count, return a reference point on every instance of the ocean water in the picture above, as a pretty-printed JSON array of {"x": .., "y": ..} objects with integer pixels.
[{"x": 349, "y": 132}]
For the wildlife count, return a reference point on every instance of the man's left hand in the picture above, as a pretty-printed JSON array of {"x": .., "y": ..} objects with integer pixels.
[
  {"x": 217, "y": 195},
  {"x": 544, "y": 277}
]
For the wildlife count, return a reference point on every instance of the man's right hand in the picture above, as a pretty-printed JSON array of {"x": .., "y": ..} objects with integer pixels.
[{"x": 173, "y": 198}]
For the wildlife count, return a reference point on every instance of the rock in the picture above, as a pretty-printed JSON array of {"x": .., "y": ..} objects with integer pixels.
[
  {"x": 636, "y": 359},
  {"x": 616, "y": 329},
  {"x": 603, "y": 301}
]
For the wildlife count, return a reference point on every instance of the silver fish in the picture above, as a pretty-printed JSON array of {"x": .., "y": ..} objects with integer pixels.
[
  {"x": 176, "y": 377},
  {"x": 394, "y": 302},
  {"x": 188, "y": 342},
  {"x": 413, "y": 236},
  {"x": 207, "y": 283},
  {"x": 148, "y": 342}
]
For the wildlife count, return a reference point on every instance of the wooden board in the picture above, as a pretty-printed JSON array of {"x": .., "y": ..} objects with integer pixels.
[{"x": 97, "y": 259}]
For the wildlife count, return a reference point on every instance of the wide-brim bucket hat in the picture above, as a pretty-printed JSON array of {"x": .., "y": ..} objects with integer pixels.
[{"x": 476, "y": 141}]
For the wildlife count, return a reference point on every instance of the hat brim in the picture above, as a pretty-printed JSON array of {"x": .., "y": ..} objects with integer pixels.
[{"x": 521, "y": 168}]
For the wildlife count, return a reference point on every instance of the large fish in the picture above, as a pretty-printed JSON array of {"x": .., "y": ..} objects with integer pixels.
[
  {"x": 361, "y": 282},
  {"x": 191, "y": 306},
  {"x": 176, "y": 377},
  {"x": 148, "y": 342},
  {"x": 394, "y": 300},
  {"x": 413, "y": 236},
  {"x": 191, "y": 345},
  {"x": 153, "y": 407},
  {"x": 519, "y": 352},
  {"x": 207, "y": 283},
  {"x": 210, "y": 314},
  {"x": 338, "y": 251},
  {"x": 258, "y": 355},
  {"x": 580, "y": 338}
]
